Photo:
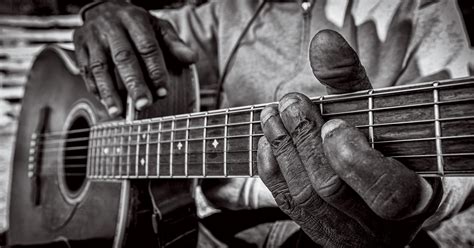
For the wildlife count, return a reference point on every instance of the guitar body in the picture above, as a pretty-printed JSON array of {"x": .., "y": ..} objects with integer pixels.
[{"x": 52, "y": 200}]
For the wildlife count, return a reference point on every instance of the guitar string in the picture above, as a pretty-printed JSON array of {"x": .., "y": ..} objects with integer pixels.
[
  {"x": 105, "y": 159},
  {"x": 316, "y": 100},
  {"x": 133, "y": 141}
]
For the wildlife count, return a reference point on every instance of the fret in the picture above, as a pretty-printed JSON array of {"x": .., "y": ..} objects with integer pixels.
[
  {"x": 171, "y": 147},
  {"x": 147, "y": 149},
  {"x": 158, "y": 163},
  {"x": 165, "y": 147},
  {"x": 179, "y": 154},
  {"x": 194, "y": 145},
  {"x": 152, "y": 142},
  {"x": 439, "y": 151},
  {"x": 226, "y": 121},
  {"x": 137, "y": 149},
  {"x": 186, "y": 149},
  {"x": 453, "y": 122},
  {"x": 98, "y": 153},
  {"x": 102, "y": 153},
  {"x": 371, "y": 118},
  {"x": 111, "y": 153},
  {"x": 105, "y": 150},
  {"x": 120, "y": 152},
  {"x": 114, "y": 150},
  {"x": 129, "y": 150},
  {"x": 204, "y": 135},
  {"x": 143, "y": 148},
  {"x": 250, "y": 142},
  {"x": 91, "y": 154}
]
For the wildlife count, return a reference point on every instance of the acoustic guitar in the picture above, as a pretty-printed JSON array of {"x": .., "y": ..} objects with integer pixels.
[{"x": 82, "y": 178}]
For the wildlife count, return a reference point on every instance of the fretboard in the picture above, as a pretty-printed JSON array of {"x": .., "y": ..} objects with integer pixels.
[{"x": 429, "y": 127}]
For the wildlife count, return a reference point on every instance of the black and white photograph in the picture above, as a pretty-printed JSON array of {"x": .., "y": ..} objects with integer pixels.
[{"x": 237, "y": 123}]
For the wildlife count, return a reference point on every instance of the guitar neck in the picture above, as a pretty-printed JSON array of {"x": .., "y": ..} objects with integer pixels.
[{"x": 429, "y": 127}]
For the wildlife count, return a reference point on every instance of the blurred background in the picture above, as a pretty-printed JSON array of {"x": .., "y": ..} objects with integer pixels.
[{"x": 26, "y": 26}]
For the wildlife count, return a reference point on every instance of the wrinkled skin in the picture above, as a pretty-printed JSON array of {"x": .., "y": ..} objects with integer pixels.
[
  {"x": 121, "y": 36},
  {"x": 326, "y": 176}
]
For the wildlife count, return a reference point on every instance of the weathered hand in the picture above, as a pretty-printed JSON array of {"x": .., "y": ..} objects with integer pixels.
[
  {"x": 121, "y": 36},
  {"x": 327, "y": 177}
]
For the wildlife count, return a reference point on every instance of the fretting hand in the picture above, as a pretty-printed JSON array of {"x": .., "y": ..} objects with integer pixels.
[
  {"x": 326, "y": 177},
  {"x": 121, "y": 36}
]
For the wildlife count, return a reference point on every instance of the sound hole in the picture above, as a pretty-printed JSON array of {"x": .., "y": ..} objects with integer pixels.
[{"x": 75, "y": 154}]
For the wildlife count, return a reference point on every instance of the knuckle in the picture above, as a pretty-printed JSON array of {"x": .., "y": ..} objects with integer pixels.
[
  {"x": 104, "y": 90},
  {"x": 305, "y": 197},
  {"x": 157, "y": 75},
  {"x": 329, "y": 186},
  {"x": 281, "y": 145},
  {"x": 284, "y": 201},
  {"x": 123, "y": 56},
  {"x": 147, "y": 48},
  {"x": 97, "y": 67},
  {"x": 134, "y": 88}
]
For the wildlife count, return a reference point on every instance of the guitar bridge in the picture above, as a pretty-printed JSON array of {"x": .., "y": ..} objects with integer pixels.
[{"x": 35, "y": 156}]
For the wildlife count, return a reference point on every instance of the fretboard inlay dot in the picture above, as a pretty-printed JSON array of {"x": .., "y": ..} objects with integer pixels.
[
  {"x": 179, "y": 145},
  {"x": 142, "y": 162},
  {"x": 215, "y": 143}
]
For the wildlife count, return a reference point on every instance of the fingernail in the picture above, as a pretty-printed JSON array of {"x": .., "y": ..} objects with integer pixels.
[
  {"x": 141, "y": 103},
  {"x": 162, "y": 92},
  {"x": 287, "y": 102},
  {"x": 113, "y": 111},
  {"x": 267, "y": 113},
  {"x": 331, "y": 126}
]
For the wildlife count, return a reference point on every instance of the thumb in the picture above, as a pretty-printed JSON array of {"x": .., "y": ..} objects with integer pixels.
[
  {"x": 336, "y": 65},
  {"x": 389, "y": 188}
]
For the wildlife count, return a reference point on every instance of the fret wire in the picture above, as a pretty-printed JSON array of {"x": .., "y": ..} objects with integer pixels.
[
  {"x": 98, "y": 147},
  {"x": 204, "y": 135},
  {"x": 147, "y": 149},
  {"x": 251, "y": 142},
  {"x": 104, "y": 164},
  {"x": 158, "y": 147},
  {"x": 114, "y": 150},
  {"x": 92, "y": 159},
  {"x": 138, "y": 151},
  {"x": 439, "y": 149},
  {"x": 128, "y": 150},
  {"x": 371, "y": 118},
  {"x": 122, "y": 129},
  {"x": 226, "y": 120},
  {"x": 171, "y": 146},
  {"x": 186, "y": 148},
  {"x": 89, "y": 152},
  {"x": 104, "y": 155},
  {"x": 99, "y": 152}
]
